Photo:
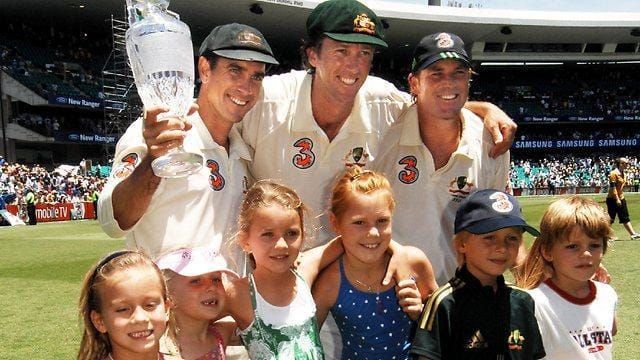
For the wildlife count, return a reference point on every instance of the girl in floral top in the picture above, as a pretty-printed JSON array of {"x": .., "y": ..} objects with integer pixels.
[{"x": 273, "y": 306}]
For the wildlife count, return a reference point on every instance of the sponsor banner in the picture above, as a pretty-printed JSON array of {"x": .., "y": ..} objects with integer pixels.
[
  {"x": 298, "y": 3},
  {"x": 587, "y": 118},
  {"x": 539, "y": 118},
  {"x": 565, "y": 190},
  {"x": 575, "y": 144},
  {"x": 53, "y": 212},
  {"x": 84, "y": 137},
  {"x": 627, "y": 117},
  {"x": 75, "y": 101},
  {"x": 576, "y": 118},
  {"x": 60, "y": 212}
]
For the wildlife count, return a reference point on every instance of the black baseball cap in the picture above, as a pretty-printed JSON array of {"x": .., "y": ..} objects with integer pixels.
[
  {"x": 438, "y": 46},
  {"x": 347, "y": 21},
  {"x": 240, "y": 42},
  {"x": 489, "y": 210}
]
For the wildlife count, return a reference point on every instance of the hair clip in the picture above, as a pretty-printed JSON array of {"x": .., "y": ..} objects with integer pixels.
[{"x": 357, "y": 176}]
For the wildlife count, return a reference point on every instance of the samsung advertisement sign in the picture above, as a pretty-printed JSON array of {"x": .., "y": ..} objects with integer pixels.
[{"x": 575, "y": 144}]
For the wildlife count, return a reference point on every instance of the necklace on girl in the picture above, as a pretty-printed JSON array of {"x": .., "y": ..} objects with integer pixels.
[
  {"x": 369, "y": 289},
  {"x": 111, "y": 357}
]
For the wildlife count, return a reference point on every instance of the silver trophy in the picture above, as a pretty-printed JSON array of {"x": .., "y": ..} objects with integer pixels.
[{"x": 161, "y": 58}]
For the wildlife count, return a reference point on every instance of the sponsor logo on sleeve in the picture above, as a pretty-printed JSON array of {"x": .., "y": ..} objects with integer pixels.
[{"x": 126, "y": 166}]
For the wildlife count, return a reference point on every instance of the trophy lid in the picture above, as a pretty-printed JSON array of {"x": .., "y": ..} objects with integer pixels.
[{"x": 139, "y": 9}]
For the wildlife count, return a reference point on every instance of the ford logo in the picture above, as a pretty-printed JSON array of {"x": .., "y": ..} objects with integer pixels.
[
  {"x": 74, "y": 137},
  {"x": 61, "y": 99}
]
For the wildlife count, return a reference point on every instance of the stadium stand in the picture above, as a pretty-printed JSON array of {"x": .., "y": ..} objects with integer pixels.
[
  {"x": 52, "y": 61},
  {"x": 570, "y": 90},
  {"x": 48, "y": 124},
  {"x": 569, "y": 172},
  {"x": 585, "y": 112},
  {"x": 63, "y": 185}
]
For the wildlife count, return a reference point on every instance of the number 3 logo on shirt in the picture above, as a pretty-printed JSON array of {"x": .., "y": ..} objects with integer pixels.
[
  {"x": 216, "y": 181},
  {"x": 306, "y": 157},
  {"x": 410, "y": 173}
]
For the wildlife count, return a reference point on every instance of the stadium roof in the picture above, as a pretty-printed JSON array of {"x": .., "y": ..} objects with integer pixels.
[{"x": 491, "y": 34}]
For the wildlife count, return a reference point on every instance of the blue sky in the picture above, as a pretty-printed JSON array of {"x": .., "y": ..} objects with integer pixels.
[{"x": 554, "y": 5}]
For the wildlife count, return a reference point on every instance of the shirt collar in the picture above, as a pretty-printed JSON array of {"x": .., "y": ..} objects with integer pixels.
[
  {"x": 463, "y": 274},
  {"x": 468, "y": 137},
  {"x": 237, "y": 145},
  {"x": 411, "y": 128},
  {"x": 203, "y": 140},
  {"x": 411, "y": 132},
  {"x": 357, "y": 122}
]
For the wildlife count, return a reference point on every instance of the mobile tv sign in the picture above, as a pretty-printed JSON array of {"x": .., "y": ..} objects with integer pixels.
[
  {"x": 85, "y": 138},
  {"x": 75, "y": 101}
]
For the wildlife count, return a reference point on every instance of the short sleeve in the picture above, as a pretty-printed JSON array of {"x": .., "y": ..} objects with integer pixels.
[{"x": 129, "y": 153}]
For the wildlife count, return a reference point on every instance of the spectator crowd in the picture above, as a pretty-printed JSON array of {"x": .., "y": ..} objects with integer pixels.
[
  {"x": 72, "y": 184},
  {"x": 56, "y": 62},
  {"x": 565, "y": 90},
  {"x": 568, "y": 171},
  {"x": 53, "y": 62},
  {"x": 63, "y": 185},
  {"x": 47, "y": 124}
]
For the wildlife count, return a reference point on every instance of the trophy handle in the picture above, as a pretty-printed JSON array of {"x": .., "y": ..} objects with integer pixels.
[{"x": 174, "y": 14}]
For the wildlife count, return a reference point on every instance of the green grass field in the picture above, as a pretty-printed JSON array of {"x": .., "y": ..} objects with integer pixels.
[{"x": 41, "y": 268}]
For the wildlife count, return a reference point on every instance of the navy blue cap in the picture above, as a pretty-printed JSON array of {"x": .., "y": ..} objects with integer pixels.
[
  {"x": 436, "y": 47},
  {"x": 489, "y": 210}
]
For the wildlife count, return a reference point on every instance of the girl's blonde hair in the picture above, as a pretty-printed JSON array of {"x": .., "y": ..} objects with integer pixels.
[
  {"x": 265, "y": 193},
  {"x": 172, "y": 325},
  {"x": 94, "y": 344},
  {"x": 357, "y": 180},
  {"x": 558, "y": 221}
]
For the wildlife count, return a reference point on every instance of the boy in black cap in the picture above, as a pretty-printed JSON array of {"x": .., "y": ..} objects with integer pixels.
[
  {"x": 437, "y": 153},
  {"x": 160, "y": 215},
  {"x": 476, "y": 315}
]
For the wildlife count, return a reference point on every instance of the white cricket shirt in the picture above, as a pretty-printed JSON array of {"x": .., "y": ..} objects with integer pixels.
[
  {"x": 197, "y": 210},
  {"x": 290, "y": 147},
  {"x": 427, "y": 199}
]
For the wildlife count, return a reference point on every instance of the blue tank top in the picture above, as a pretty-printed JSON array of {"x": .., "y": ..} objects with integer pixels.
[{"x": 373, "y": 326}]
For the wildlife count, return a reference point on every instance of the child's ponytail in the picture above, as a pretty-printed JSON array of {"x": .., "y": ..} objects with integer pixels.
[
  {"x": 356, "y": 180},
  {"x": 535, "y": 268}
]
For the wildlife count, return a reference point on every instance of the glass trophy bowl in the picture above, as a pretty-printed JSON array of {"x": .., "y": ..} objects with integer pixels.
[{"x": 160, "y": 54}]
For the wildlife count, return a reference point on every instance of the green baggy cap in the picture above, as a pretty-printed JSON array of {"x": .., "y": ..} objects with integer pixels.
[{"x": 347, "y": 21}]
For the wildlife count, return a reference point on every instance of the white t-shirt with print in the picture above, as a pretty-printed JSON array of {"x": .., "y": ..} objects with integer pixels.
[{"x": 572, "y": 331}]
